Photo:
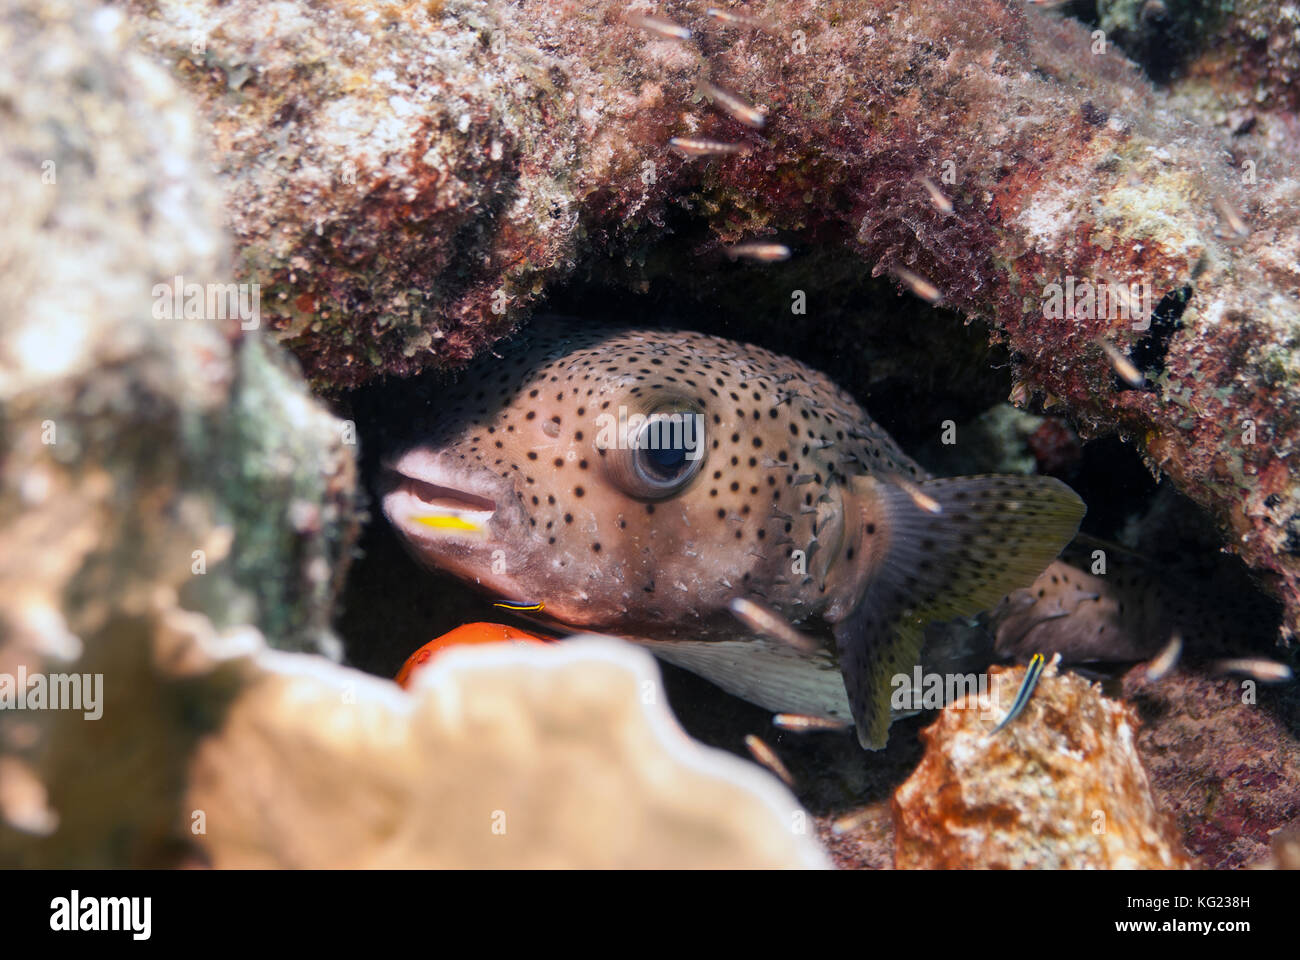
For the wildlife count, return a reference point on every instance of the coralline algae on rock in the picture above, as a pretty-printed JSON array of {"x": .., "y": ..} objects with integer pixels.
[
  {"x": 1061, "y": 787},
  {"x": 170, "y": 494},
  {"x": 387, "y": 170},
  {"x": 1248, "y": 50},
  {"x": 407, "y": 180},
  {"x": 1223, "y": 758}
]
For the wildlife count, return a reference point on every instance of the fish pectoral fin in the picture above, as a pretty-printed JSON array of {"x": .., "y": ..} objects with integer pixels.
[
  {"x": 936, "y": 550},
  {"x": 875, "y": 643}
]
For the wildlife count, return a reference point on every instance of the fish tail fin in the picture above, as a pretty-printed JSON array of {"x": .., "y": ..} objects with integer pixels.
[{"x": 931, "y": 551}]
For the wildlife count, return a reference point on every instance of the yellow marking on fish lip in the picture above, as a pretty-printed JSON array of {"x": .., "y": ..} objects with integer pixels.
[
  {"x": 521, "y": 606},
  {"x": 441, "y": 521}
]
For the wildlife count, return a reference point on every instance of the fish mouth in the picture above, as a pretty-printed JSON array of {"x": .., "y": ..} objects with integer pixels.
[
  {"x": 450, "y": 500},
  {"x": 461, "y": 520},
  {"x": 416, "y": 491}
]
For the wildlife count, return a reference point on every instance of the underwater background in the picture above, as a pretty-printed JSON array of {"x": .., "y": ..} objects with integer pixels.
[{"x": 250, "y": 247}]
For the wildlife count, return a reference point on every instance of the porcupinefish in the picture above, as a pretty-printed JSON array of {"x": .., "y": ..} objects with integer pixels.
[
  {"x": 1130, "y": 612},
  {"x": 636, "y": 481}
]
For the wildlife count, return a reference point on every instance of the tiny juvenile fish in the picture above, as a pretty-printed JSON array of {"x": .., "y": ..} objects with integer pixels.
[
  {"x": 920, "y": 286},
  {"x": 765, "y": 755},
  {"x": 734, "y": 105},
  {"x": 694, "y": 147},
  {"x": 762, "y": 252},
  {"x": 1167, "y": 659},
  {"x": 736, "y": 19},
  {"x": 798, "y": 723},
  {"x": 1268, "y": 671},
  {"x": 1122, "y": 364},
  {"x": 938, "y": 199},
  {"x": 1229, "y": 215},
  {"x": 639, "y": 481},
  {"x": 659, "y": 26}
]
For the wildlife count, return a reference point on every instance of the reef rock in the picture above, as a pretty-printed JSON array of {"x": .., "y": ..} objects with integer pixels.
[
  {"x": 165, "y": 477},
  {"x": 1222, "y": 758},
  {"x": 407, "y": 179},
  {"x": 173, "y": 500},
  {"x": 1249, "y": 50},
  {"x": 1061, "y": 787}
]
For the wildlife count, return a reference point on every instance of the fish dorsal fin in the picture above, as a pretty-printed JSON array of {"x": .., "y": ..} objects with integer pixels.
[{"x": 930, "y": 551}]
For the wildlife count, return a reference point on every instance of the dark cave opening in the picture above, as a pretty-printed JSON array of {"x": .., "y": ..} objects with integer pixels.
[{"x": 911, "y": 366}]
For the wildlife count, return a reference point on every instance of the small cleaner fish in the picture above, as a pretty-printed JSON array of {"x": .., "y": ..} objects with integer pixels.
[{"x": 637, "y": 481}]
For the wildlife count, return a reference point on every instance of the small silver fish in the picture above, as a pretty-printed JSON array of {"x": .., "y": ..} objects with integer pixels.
[
  {"x": 919, "y": 497},
  {"x": 799, "y": 723},
  {"x": 938, "y": 199},
  {"x": 920, "y": 286},
  {"x": 734, "y": 106},
  {"x": 736, "y": 19},
  {"x": 1158, "y": 668},
  {"x": 1266, "y": 671},
  {"x": 851, "y": 821},
  {"x": 765, "y": 755},
  {"x": 762, "y": 252},
  {"x": 1231, "y": 218},
  {"x": 659, "y": 26},
  {"x": 693, "y": 147},
  {"x": 637, "y": 482},
  {"x": 768, "y": 624},
  {"x": 1121, "y": 364}
]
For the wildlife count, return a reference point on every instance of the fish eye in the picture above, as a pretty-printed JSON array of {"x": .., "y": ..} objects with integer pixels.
[
  {"x": 662, "y": 463},
  {"x": 663, "y": 454}
]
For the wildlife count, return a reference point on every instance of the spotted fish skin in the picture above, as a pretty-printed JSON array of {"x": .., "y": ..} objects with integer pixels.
[
  {"x": 780, "y": 438},
  {"x": 798, "y": 500},
  {"x": 1131, "y": 611}
]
